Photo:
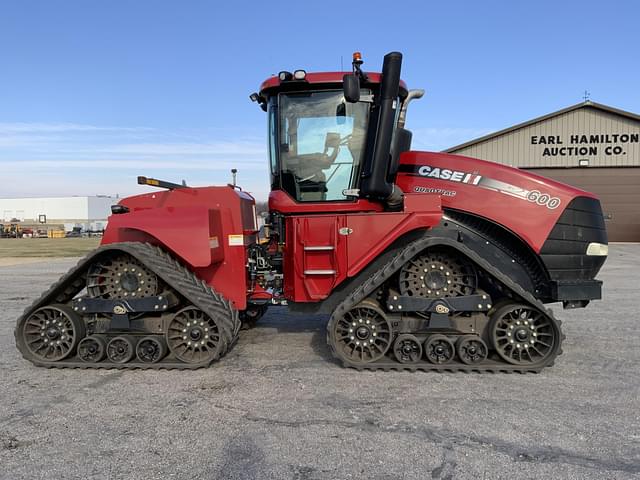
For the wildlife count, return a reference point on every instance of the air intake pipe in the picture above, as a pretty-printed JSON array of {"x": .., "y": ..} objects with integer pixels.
[{"x": 375, "y": 182}]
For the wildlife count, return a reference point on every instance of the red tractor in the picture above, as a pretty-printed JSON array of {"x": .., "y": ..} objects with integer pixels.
[{"x": 423, "y": 260}]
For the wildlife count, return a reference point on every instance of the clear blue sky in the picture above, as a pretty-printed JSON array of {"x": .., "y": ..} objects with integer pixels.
[{"x": 94, "y": 93}]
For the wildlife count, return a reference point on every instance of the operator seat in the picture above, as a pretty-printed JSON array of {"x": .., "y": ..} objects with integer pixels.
[{"x": 305, "y": 172}]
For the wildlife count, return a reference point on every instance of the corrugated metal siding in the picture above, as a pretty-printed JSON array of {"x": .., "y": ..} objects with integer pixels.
[
  {"x": 516, "y": 149},
  {"x": 619, "y": 193}
]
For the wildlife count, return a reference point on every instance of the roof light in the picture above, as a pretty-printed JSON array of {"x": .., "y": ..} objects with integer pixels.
[
  {"x": 254, "y": 97},
  {"x": 299, "y": 74},
  {"x": 357, "y": 56},
  {"x": 284, "y": 76}
]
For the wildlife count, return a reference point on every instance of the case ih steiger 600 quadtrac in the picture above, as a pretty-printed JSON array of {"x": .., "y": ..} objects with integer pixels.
[{"x": 424, "y": 260}]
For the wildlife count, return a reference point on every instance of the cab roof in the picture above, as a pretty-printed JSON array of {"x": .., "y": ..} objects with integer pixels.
[{"x": 326, "y": 79}]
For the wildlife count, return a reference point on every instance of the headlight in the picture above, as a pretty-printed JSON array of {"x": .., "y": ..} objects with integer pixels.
[{"x": 598, "y": 249}]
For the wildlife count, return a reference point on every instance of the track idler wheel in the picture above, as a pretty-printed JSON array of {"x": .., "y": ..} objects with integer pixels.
[
  {"x": 363, "y": 334},
  {"x": 92, "y": 349},
  {"x": 471, "y": 349},
  {"x": 151, "y": 349},
  {"x": 522, "y": 335},
  {"x": 121, "y": 349},
  {"x": 439, "y": 349},
  {"x": 407, "y": 349},
  {"x": 51, "y": 333},
  {"x": 194, "y": 337}
]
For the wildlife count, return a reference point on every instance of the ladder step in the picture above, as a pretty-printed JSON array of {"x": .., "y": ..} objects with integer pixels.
[
  {"x": 318, "y": 248},
  {"x": 319, "y": 272}
]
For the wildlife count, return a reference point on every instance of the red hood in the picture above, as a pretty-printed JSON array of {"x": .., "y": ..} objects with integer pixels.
[{"x": 527, "y": 204}]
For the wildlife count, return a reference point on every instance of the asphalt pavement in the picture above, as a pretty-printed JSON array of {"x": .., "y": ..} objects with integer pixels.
[{"x": 277, "y": 406}]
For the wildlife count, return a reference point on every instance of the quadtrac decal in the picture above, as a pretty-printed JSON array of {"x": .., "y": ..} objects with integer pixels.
[
  {"x": 440, "y": 191},
  {"x": 473, "y": 178}
]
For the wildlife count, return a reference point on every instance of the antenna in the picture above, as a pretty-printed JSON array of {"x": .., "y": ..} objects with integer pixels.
[
  {"x": 586, "y": 96},
  {"x": 341, "y": 64}
]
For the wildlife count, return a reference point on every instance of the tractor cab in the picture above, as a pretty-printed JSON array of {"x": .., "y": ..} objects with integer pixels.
[
  {"x": 336, "y": 137},
  {"x": 317, "y": 143}
]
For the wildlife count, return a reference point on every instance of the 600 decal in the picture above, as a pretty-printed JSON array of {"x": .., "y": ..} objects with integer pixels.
[{"x": 543, "y": 199}]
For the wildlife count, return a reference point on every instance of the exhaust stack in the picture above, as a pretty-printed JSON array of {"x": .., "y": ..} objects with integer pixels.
[{"x": 375, "y": 182}]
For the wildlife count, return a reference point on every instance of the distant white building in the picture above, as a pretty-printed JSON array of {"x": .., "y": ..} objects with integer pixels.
[{"x": 89, "y": 213}]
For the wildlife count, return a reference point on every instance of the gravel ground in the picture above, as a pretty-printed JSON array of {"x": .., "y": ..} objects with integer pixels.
[{"x": 278, "y": 407}]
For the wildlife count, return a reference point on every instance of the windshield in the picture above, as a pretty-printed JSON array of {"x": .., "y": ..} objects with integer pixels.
[{"x": 321, "y": 144}]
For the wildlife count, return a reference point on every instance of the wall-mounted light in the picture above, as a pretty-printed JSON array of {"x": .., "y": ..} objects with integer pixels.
[{"x": 583, "y": 162}]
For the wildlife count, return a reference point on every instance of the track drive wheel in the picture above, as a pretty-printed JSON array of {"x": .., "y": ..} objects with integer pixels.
[
  {"x": 471, "y": 349},
  {"x": 439, "y": 349},
  {"x": 119, "y": 277},
  {"x": 194, "y": 337},
  {"x": 436, "y": 274},
  {"x": 362, "y": 335},
  {"x": 51, "y": 333},
  {"x": 407, "y": 349},
  {"x": 523, "y": 335}
]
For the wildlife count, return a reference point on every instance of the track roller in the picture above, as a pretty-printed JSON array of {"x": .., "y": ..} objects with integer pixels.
[
  {"x": 121, "y": 349},
  {"x": 92, "y": 349},
  {"x": 407, "y": 349},
  {"x": 151, "y": 349},
  {"x": 471, "y": 349},
  {"x": 439, "y": 349}
]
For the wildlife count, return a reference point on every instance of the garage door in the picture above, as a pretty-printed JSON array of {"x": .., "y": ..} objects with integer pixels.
[{"x": 619, "y": 192}]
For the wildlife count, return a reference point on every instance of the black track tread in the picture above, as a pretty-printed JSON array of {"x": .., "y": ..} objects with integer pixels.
[
  {"x": 406, "y": 254},
  {"x": 172, "y": 271}
]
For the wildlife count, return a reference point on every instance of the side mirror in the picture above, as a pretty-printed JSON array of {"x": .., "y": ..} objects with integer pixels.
[{"x": 351, "y": 87}]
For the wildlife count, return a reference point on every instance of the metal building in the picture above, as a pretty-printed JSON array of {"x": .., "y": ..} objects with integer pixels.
[
  {"x": 588, "y": 145},
  {"x": 88, "y": 213}
]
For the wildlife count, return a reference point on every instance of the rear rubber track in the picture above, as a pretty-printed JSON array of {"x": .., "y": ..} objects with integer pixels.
[
  {"x": 383, "y": 274},
  {"x": 172, "y": 272}
]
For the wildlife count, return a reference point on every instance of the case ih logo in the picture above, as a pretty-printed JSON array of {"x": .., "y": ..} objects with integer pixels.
[
  {"x": 534, "y": 196},
  {"x": 451, "y": 175}
]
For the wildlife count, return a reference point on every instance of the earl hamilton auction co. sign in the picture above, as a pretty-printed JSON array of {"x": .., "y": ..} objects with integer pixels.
[{"x": 584, "y": 145}]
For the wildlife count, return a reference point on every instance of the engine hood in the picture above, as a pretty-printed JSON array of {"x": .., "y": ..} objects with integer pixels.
[{"x": 527, "y": 204}]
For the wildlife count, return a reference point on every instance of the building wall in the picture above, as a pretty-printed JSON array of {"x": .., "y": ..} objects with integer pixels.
[
  {"x": 100, "y": 207},
  {"x": 57, "y": 210},
  {"x": 531, "y": 147},
  {"x": 554, "y": 146},
  {"x": 619, "y": 193}
]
